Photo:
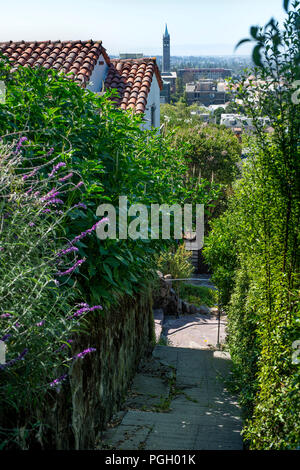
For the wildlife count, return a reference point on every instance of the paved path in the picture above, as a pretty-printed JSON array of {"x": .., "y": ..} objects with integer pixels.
[
  {"x": 193, "y": 331},
  {"x": 178, "y": 401}
]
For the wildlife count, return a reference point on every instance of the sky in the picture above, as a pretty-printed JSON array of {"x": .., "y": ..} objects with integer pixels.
[{"x": 196, "y": 27}]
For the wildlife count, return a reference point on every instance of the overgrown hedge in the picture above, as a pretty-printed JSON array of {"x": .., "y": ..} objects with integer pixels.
[
  {"x": 114, "y": 157},
  {"x": 254, "y": 248}
]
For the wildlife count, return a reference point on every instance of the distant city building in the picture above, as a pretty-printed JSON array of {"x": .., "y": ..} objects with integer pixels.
[
  {"x": 189, "y": 75},
  {"x": 203, "y": 116},
  {"x": 168, "y": 77},
  {"x": 131, "y": 55},
  {"x": 204, "y": 92},
  {"x": 170, "y": 80},
  {"x": 242, "y": 124}
]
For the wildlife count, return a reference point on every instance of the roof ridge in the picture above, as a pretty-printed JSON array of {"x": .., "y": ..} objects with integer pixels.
[{"x": 49, "y": 41}]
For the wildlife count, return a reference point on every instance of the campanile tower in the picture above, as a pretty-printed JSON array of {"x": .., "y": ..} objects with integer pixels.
[{"x": 166, "y": 52}]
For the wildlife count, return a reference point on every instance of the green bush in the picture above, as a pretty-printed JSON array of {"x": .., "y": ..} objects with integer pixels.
[
  {"x": 253, "y": 248},
  {"x": 211, "y": 151},
  {"x": 113, "y": 156},
  {"x": 198, "y": 295},
  {"x": 220, "y": 253},
  {"x": 177, "y": 262},
  {"x": 38, "y": 312}
]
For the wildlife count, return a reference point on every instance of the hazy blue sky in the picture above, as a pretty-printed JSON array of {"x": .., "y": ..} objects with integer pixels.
[{"x": 195, "y": 26}]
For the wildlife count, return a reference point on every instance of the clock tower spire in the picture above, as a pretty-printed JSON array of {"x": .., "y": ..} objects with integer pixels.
[{"x": 166, "y": 51}]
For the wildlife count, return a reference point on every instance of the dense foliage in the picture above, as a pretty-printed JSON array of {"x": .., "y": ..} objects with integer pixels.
[
  {"x": 176, "y": 262},
  {"x": 254, "y": 247},
  {"x": 198, "y": 295},
  {"x": 212, "y": 152},
  {"x": 179, "y": 115},
  {"x": 39, "y": 311},
  {"x": 114, "y": 157},
  {"x": 76, "y": 151}
]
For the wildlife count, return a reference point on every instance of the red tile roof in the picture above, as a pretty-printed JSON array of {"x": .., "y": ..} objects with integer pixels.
[
  {"x": 75, "y": 57},
  {"x": 132, "y": 79}
]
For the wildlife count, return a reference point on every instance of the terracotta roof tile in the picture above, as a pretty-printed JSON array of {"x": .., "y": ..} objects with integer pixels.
[
  {"x": 132, "y": 79},
  {"x": 78, "y": 57}
]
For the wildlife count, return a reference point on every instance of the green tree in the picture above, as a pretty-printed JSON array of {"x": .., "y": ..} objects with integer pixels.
[
  {"x": 217, "y": 114},
  {"x": 212, "y": 152},
  {"x": 177, "y": 115},
  {"x": 260, "y": 258}
]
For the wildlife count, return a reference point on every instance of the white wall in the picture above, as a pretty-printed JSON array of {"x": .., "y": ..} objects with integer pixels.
[
  {"x": 153, "y": 98},
  {"x": 96, "y": 84},
  {"x": 98, "y": 76}
]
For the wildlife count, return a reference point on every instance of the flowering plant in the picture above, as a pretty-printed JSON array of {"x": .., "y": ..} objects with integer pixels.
[{"x": 38, "y": 267}]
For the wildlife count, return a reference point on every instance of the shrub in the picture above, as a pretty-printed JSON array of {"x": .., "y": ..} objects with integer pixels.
[
  {"x": 261, "y": 253},
  {"x": 198, "y": 295},
  {"x": 38, "y": 315},
  {"x": 176, "y": 262},
  {"x": 211, "y": 151}
]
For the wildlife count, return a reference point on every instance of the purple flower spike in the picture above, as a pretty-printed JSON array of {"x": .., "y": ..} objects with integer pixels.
[
  {"x": 29, "y": 175},
  {"x": 80, "y": 204},
  {"x": 78, "y": 185},
  {"x": 96, "y": 307},
  {"x": 41, "y": 323},
  {"x": 20, "y": 143},
  {"x": 5, "y": 315},
  {"x": 50, "y": 152},
  {"x": 84, "y": 353},
  {"x": 59, "y": 380},
  {"x": 56, "y": 168},
  {"x": 65, "y": 178},
  {"x": 90, "y": 230},
  {"x": 54, "y": 201},
  {"x": 13, "y": 361},
  {"x": 70, "y": 270},
  {"x": 85, "y": 308},
  {"x": 67, "y": 250},
  {"x": 5, "y": 337},
  {"x": 52, "y": 194}
]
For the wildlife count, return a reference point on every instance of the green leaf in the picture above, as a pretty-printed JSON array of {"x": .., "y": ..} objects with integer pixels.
[
  {"x": 256, "y": 55},
  {"x": 286, "y": 5},
  {"x": 254, "y": 31}
]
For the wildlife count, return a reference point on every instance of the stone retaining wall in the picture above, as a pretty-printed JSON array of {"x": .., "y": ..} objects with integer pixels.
[{"x": 98, "y": 383}]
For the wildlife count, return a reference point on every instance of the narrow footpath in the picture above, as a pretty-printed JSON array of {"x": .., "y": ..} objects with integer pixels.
[{"x": 178, "y": 401}]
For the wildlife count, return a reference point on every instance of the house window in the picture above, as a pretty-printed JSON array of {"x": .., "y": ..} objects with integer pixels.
[{"x": 153, "y": 115}]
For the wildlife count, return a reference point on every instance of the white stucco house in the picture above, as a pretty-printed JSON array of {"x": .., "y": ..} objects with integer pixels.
[{"x": 137, "y": 81}]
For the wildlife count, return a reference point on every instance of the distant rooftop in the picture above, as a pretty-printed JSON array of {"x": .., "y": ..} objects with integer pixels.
[{"x": 131, "y": 55}]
